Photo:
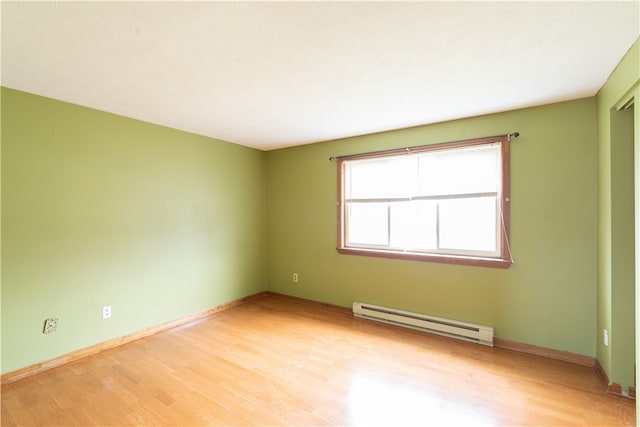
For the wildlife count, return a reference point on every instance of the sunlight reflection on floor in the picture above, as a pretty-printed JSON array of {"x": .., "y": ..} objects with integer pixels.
[{"x": 377, "y": 399}]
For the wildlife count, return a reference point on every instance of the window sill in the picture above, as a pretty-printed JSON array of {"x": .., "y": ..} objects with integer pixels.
[{"x": 415, "y": 256}]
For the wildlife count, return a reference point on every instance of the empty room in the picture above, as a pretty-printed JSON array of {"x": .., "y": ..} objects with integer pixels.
[{"x": 320, "y": 213}]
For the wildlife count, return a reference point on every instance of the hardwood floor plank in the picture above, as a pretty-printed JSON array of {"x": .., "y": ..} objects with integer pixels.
[{"x": 283, "y": 362}]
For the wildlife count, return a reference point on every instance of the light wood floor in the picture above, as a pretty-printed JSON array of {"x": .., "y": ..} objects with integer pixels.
[{"x": 274, "y": 361}]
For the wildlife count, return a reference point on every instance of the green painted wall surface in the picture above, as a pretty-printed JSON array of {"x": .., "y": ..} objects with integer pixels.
[
  {"x": 622, "y": 332},
  {"x": 615, "y": 284},
  {"x": 546, "y": 298},
  {"x": 99, "y": 209}
]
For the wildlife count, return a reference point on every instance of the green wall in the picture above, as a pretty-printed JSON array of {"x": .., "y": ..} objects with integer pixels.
[
  {"x": 99, "y": 209},
  {"x": 546, "y": 298},
  {"x": 616, "y": 277}
]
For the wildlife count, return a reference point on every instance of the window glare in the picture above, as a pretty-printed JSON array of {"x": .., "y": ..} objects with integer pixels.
[
  {"x": 368, "y": 224},
  {"x": 459, "y": 230},
  {"x": 413, "y": 225},
  {"x": 388, "y": 177},
  {"x": 459, "y": 171}
]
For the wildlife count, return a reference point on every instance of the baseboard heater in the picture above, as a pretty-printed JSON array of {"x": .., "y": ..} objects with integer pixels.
[{"x": 451, "y": 328}]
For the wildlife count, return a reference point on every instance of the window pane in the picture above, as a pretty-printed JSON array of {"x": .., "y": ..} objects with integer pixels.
[
  {"x": 426, "y": 234},
  {"x": 459, "y": 171},
  {"x": 380, "y": 178},
  {"x": 368, "y": 224},
  {"x": 468, "y": 224},
  {"x": 403, "y": 217},
  {"x": 413, "y": 225}
]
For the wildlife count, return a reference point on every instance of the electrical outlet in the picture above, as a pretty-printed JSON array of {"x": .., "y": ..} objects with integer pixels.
[
  {"x": 295, "y": 278},
  {"x": 50, "y": 325},
  {"x": 606, "y": 338},
  {"x": 106, "y": 312}
]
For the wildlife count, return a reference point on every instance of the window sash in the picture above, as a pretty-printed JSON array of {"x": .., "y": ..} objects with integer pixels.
[{"x": 439, "y": 247}]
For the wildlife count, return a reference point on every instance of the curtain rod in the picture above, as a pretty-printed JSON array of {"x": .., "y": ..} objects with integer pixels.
[{"x": 408, "y": 149}]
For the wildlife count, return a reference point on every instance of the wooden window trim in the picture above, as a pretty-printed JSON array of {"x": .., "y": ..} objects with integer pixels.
[{"x": 504, "y": 260}]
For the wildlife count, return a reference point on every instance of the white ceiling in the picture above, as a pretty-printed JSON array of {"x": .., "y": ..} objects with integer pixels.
[{"x": 276, "y": 74}]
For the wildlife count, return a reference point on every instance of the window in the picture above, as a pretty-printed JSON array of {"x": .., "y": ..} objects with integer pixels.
[{"x": 445, "y": 202}]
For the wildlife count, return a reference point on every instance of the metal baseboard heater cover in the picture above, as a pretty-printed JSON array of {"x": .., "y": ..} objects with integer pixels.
[{"x": 451, "y": 328}]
